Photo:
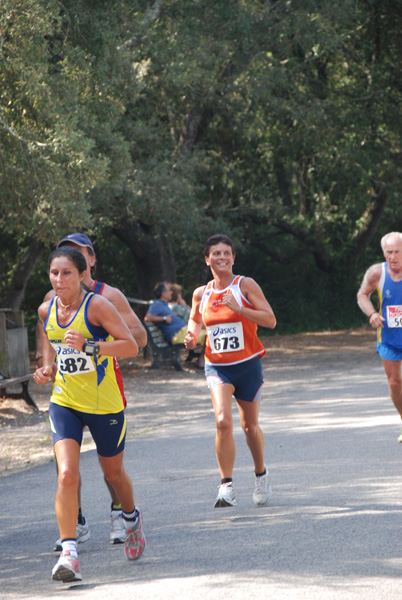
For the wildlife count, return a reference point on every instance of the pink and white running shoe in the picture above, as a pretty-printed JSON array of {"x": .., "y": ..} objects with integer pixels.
[
  {"x": 67, "y": 568},
  {"x": 134, "y": 545}
]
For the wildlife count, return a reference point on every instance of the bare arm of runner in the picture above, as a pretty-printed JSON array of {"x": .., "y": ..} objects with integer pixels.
[
  {"x": 370, "y": 281},
  {"x": 41, "y": 335},
  {"x": 120, "y": 302},
  {"x": 195, "y": 321},
  {"x": 261, "y": 313},
  {"x": 102, "y": 312},
  {"x": 46, "y": 372}
]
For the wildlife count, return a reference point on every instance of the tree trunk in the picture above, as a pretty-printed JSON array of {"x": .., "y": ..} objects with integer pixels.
[
  {"x": 370, "y": 223},
  {"x": 195, "y": 125},
  {"x": 23, "y": 271},
  {"x": 152, "y": 253}
]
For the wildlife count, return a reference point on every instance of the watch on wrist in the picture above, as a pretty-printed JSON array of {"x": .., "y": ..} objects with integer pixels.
[
  {"x": 164, "y": 317},
  {"x": 90, "y": 348}
]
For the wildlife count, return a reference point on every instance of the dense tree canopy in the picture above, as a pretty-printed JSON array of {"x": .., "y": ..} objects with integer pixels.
[{"x": 153, "y": 125}]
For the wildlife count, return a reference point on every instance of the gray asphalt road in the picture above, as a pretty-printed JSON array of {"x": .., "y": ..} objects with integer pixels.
[{"x": 332, "y": 529}]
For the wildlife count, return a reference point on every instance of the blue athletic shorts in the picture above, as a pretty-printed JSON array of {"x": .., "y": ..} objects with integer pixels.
[
  {"x": 108, "y": 431},
  {"x": 389, "y": 352},
  {"x": 246, "y": 377}
]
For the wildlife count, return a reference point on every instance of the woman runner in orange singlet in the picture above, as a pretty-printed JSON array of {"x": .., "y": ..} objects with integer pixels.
[{"x": 231, "y": 307}]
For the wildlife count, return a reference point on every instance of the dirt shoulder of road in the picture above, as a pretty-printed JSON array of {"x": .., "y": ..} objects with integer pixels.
[{"x": 25, "y": 434}]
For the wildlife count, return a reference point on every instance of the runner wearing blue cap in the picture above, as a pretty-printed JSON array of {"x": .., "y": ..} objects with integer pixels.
[{"x": 84, "y": 331}]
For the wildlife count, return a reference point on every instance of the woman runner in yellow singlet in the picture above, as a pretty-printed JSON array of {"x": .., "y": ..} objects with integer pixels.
[{"x": 84, "y": 332}]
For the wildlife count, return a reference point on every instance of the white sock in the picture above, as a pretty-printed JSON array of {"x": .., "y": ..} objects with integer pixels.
[
  {"x": 71, "y": 546},
  {"x": 131, "y": 519}
]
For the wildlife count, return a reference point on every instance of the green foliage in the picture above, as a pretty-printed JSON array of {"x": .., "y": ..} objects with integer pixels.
[
  {"x": 115, "y": 264},
  {"x": 278, "y": 123},
  {"x": 48, "y": 163}
]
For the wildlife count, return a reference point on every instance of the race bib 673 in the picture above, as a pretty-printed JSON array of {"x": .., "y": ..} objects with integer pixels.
[{"x": 226, "y": 337}]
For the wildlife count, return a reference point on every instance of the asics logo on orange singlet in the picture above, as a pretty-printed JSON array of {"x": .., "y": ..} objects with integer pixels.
[{"x": 223, "y": 330}]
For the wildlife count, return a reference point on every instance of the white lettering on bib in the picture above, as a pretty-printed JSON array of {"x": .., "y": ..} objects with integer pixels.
[
  {"x": 394, "y": 316},
  {"x": 71, "y": 361},
  {"x": 226, "y": 337}
]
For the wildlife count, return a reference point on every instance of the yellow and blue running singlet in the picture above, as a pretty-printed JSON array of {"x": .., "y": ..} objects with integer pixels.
[{"x": 84, "y": 383}]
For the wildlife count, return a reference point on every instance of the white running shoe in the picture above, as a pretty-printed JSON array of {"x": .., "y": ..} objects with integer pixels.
[
  {"x": 262, "y": 489},
  {"x": 117, "y": 527},
  {"x": 82, "y": 535},
  {"x": 226, "y": 496},
  {"x": 67, "y": 568},
  {"x": 134, "y": 545}
]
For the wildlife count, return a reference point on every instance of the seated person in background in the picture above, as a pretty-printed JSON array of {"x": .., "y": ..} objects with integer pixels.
[
  {"x": 182, "y": 310},
  {"x": 173, "y": 327},
  {"x": 177, "y": 303}
]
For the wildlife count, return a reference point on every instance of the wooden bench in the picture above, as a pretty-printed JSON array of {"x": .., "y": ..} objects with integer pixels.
[
  {"x": 14, "y": 356},
  {"x": 163, "y": 353},
  {"x": 6, "y": 382}
]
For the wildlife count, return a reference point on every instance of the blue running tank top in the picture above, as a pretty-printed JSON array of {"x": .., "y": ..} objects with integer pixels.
[{"x": 390, "y": 296}]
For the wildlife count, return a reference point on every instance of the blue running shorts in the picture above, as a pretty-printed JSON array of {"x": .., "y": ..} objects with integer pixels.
[
  {"x": 389, "y": 352},
  {"x": 108, "y": 431},
  {"x": 246, "y": 378}
]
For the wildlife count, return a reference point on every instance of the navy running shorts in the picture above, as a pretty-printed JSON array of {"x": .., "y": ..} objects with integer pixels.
[
  {"x": 108, "y": 431},
  {"x": 246, "y": 378}
]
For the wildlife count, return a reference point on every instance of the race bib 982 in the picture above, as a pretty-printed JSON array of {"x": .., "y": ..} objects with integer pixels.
[
  {"x": 394, "y": 316},
  {"x": 227, "y": 337}
]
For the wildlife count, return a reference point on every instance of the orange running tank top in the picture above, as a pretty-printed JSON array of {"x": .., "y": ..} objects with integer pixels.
[{"x": 231, "y": 337}]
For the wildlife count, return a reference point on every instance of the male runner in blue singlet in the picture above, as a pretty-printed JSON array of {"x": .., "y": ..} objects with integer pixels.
[{"x": 386, "y": 278}]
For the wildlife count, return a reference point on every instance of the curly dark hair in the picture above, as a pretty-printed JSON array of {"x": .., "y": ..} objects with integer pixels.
[{"x": 217, "y": 238}]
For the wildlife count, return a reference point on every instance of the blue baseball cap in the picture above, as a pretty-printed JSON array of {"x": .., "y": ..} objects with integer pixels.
[{"x": 77, "y": 238}]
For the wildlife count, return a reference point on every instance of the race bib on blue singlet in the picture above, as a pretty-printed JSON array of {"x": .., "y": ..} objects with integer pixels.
[
  {"x": 71, "y": 361},
  {"x": 227, "y": 337},
  {"x": 394, "y": 316}
]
